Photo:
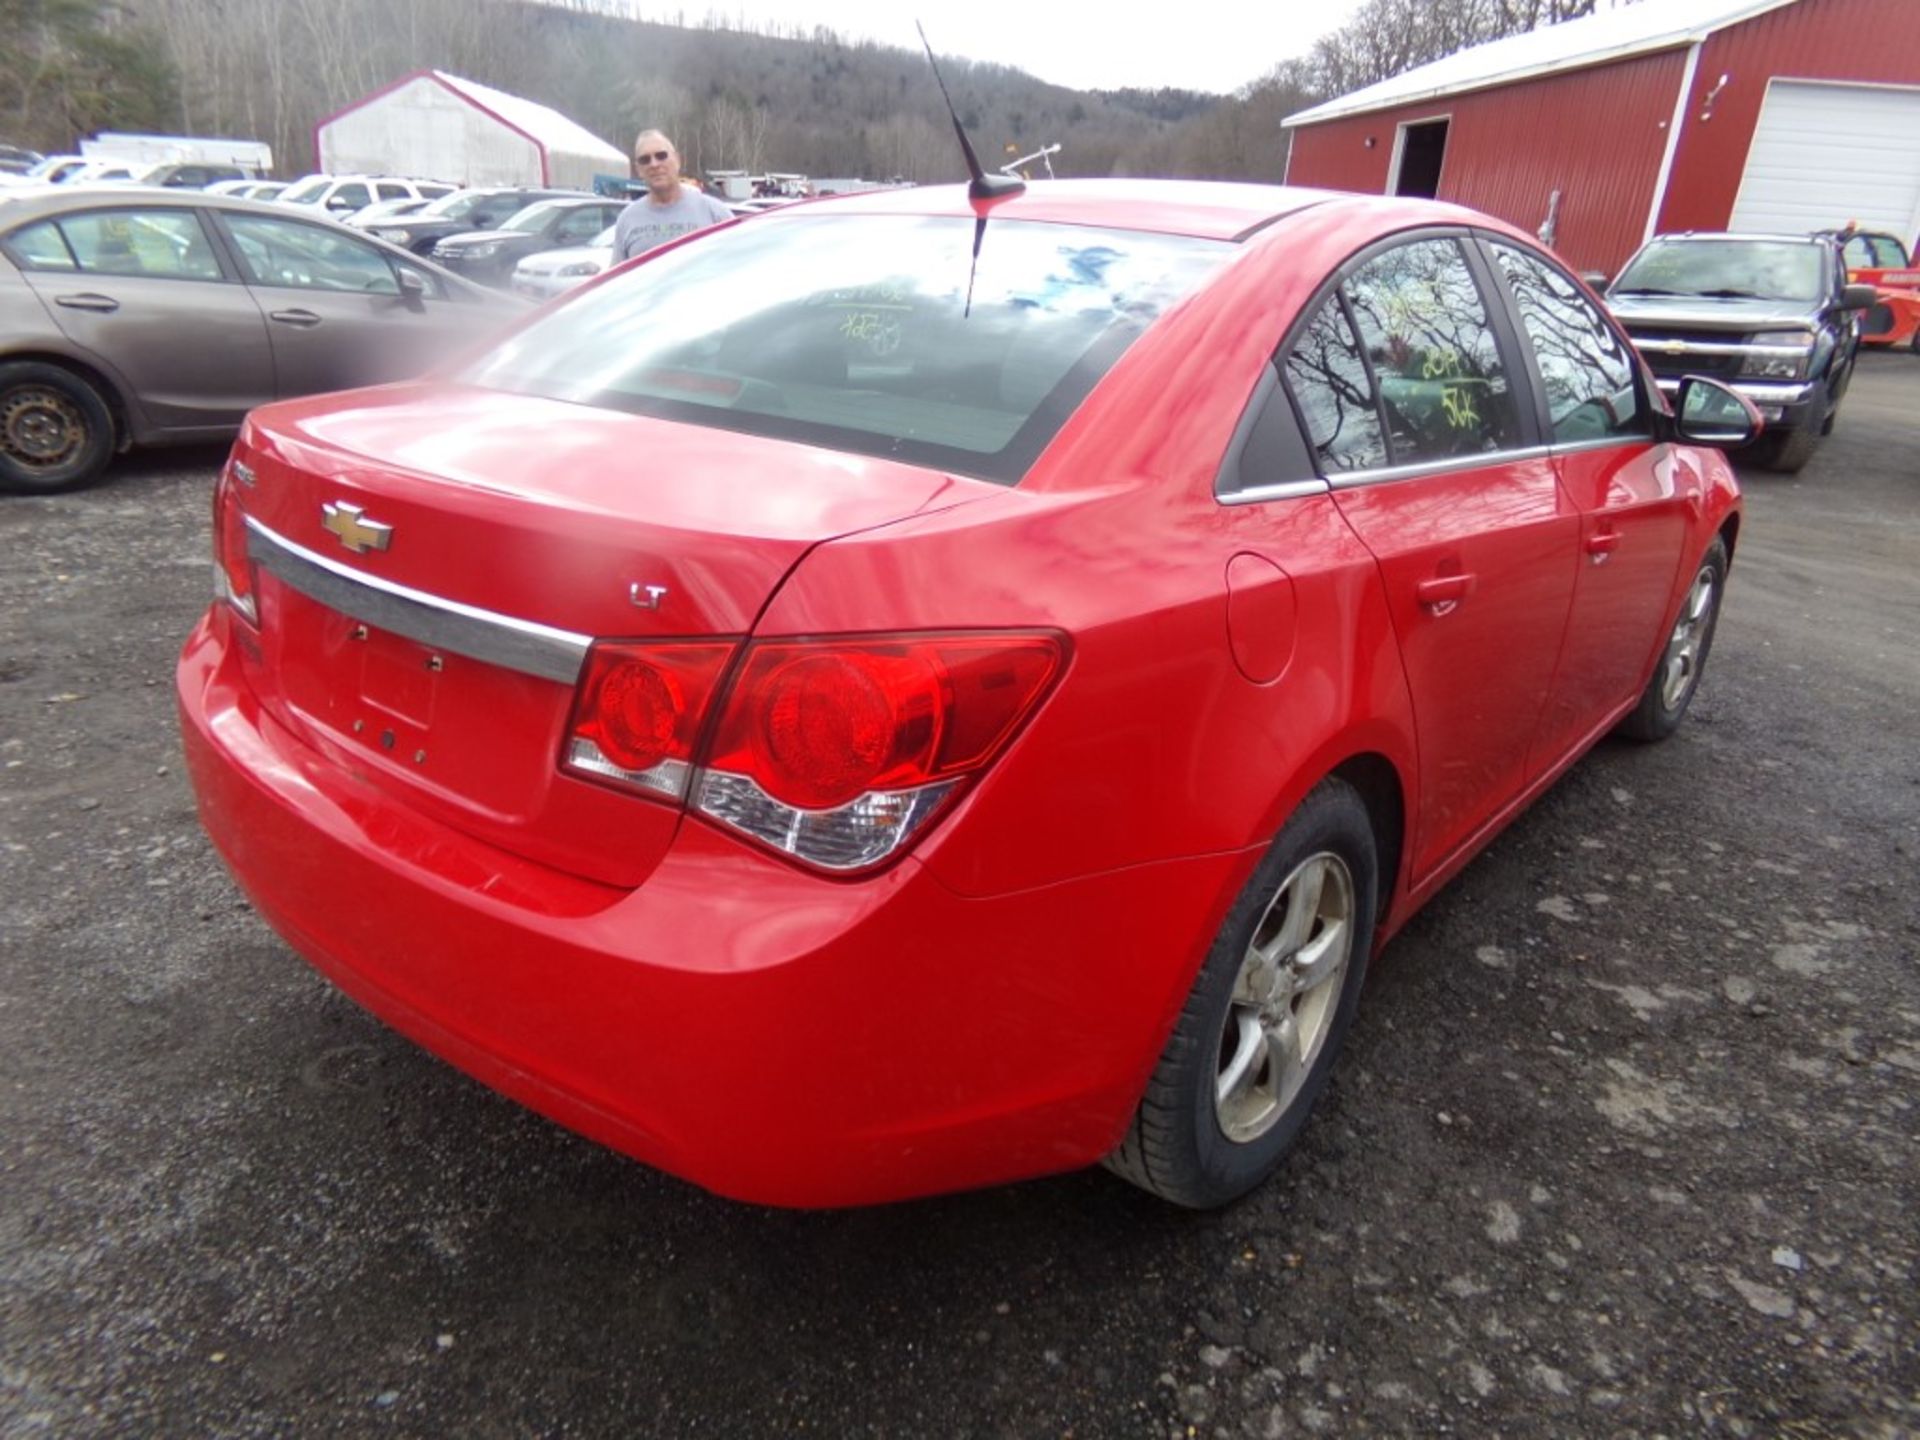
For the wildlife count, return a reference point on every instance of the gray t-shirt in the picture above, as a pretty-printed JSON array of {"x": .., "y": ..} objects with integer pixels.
[{"x": 643, "y": 224}]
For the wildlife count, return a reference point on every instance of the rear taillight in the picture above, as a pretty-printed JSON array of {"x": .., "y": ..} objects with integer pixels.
[
  {"x": 232, "y": 569},
  {"x": 837, "y": 752},
  {"x": 833, "y": 752},
  {"x": 637, "y": 715}
]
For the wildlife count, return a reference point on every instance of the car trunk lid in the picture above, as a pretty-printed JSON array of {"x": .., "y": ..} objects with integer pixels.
[{"x": 432, "y": 563}]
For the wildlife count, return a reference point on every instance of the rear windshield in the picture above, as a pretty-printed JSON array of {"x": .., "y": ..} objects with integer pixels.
[
  {"x": 856, "y": 333},
  {"x": 1726, "y": 269}
]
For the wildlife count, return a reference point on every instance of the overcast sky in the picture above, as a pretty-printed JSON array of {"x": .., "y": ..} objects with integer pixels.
[{"x": 1192, "y": 44}]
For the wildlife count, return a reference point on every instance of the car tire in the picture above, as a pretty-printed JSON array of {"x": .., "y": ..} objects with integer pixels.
[
  {"x": 1252, "y": 1049},
  {"x": 1676, "y": 677},
  {"x": 1785, "y": 451},
  {"x": 55, "y": 429}
]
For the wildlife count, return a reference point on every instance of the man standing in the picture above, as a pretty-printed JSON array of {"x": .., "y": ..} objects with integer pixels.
[{"x": 669, "y": 209}]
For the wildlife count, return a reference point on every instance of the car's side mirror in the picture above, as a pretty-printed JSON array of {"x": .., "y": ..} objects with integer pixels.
[
  {"x": 1857, "y": 297},
  {"x": 1596, "y": 278},
  {"x": 413, "y": 290},
  {"x": 1708, "y": 413},
  {"x": 340, "y": 202}
]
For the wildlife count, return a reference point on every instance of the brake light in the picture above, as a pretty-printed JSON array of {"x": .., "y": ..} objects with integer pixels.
[
  {"x": 232, "y": 569},
  {"x": 638, "y": 712},
  {"x": 837, "y": 752}
]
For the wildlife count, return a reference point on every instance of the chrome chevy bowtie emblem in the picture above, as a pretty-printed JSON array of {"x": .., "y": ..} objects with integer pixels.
[
  {"x": 1674, "y": 347},
  {"x": 343, "y": 521}
]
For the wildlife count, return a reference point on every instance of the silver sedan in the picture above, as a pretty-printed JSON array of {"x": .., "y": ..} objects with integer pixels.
[{"x": 136, "y": 316}]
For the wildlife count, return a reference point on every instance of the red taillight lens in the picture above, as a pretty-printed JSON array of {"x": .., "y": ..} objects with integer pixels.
[
  {"x": 838, "y": 751},
  {"x": 232, "y": 570},
  {"x": 639, "y": 710},
  {"x": 834, "y": 752},
  {"x": 828, "y": 727}
]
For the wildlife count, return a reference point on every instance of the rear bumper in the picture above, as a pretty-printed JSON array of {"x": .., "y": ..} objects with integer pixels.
[{"x": 761, "y": 1032}]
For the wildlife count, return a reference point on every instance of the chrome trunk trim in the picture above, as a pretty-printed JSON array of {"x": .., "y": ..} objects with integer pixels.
[{"x": 485, "y": 635}]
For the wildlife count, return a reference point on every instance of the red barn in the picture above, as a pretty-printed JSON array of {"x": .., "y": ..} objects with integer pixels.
[{"x": 1787, "y": 115}]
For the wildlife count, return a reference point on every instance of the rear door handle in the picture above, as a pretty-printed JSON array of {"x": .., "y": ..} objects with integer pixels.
[
  {"x": 88, "y": 300},
  {"x": 305, "y": 319},
  {"x": 1442, "y": 593},
  {"x": 1603, "y": 544}
]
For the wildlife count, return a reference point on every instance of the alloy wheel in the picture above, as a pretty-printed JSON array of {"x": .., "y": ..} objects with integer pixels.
[
  {"x": 1284, "y": 997},
  {"x": 1681, "y": 666}
]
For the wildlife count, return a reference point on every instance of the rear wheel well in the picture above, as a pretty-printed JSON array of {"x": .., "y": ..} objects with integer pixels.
[
  {"x": 108, "y": 392},
  {"x": 1378, "y": 784}
]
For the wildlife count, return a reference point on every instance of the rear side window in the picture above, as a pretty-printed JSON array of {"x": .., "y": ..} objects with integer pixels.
[
  {"x": 1328, "y": 376},
  {"x": 162, "y": 244},
  {"x": 1444, "y": 390},
  {"x": 1585, "y": 368},
  {"x": 874, "y": 334}
]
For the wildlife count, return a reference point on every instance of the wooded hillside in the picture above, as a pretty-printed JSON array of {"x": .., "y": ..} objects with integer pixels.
[{"x": 816, "y": 103}]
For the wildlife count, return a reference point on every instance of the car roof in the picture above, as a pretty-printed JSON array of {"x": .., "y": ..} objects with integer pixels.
[
  {"x": 1204, "y": 209},
  {"x": 40, "y": 202},
  {"x": 1768, "y": 236}
]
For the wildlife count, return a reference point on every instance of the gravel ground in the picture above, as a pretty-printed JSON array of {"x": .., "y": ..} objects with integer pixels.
[{"x": 1624, "y": 1142}]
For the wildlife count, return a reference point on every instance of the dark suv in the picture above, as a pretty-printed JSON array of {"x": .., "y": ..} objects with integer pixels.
[
  {"x": 489, "y": 256},
  {"x": 1770, "y": 315},
  {"x": 464, "y": 211}
]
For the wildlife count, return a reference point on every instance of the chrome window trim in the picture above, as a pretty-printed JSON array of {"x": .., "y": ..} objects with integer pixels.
[
  {"x": 485, "y": 635},
  {"x": 1604, "y": 442},
  {"x": 1287, "y": 490},
  {"x": 1354, "y": 479}
]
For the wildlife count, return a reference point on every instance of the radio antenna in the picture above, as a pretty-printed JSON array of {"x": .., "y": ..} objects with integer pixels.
[{"x": 984, "y": 186}]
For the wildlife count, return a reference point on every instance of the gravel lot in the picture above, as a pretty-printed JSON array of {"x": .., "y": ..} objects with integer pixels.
[{"x": 1624, "y": 1142}]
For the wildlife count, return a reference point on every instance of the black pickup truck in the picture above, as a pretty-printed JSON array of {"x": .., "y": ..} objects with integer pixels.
[{"x": 1770, "y": 315}]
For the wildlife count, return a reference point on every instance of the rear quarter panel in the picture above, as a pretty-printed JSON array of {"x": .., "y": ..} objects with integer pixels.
[{"x": 1155, "y": 745}]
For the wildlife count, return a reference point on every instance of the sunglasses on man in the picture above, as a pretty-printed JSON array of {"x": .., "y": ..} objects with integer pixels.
[{"x": 658, "y": 157}]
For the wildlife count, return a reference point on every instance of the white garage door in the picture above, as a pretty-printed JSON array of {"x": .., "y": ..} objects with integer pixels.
[{"x": 1826, "y": 154}]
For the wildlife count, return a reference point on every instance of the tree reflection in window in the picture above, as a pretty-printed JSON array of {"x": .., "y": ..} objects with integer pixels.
[
  {"x": 1329, "y": 380},
  {"x": 1443, "y": 389},
  {"x": 1585, "y": 368}
]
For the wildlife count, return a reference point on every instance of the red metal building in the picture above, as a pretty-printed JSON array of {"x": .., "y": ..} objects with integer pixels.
[{"x": 1665, "y": 115}]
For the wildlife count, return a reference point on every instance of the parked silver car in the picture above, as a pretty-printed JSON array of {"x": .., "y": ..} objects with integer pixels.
[
  {"x": 133, "y": 316},
  {"x": 549, "y": 273}
]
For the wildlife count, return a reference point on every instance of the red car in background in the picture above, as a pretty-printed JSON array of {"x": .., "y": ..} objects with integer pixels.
[
  {"x": 1881, "y": 260},
  {"x": 918, "y": 691}
]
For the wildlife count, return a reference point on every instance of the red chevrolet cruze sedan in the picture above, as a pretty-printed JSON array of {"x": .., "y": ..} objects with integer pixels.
[{"x": 912, "y": 692}]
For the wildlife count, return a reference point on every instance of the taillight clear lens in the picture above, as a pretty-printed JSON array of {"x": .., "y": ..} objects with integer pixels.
[
  {"x": 838, "y": 752},
  {"x": 638, "y": 713},
  {"x": 232, "y": 570}
]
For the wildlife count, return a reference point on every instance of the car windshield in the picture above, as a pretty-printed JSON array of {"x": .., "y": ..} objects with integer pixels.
[
  {"x": 1725, "y": 269},
  {"x": 858, "y": 334},
  {"x": 304, "y": 192}
]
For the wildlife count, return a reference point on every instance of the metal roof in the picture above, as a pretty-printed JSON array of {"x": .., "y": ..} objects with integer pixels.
[
  {"x": 1596, "y": 39},
  {"x": 546, "y": 127}
]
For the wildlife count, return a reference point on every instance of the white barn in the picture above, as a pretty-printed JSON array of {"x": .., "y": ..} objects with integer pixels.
[{"x": 436, "y": 126}]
